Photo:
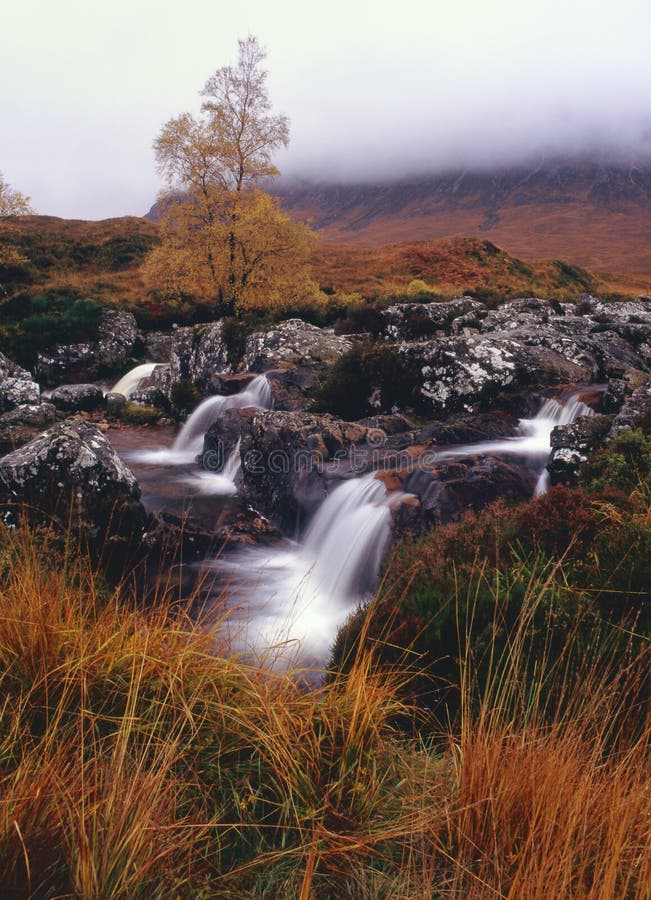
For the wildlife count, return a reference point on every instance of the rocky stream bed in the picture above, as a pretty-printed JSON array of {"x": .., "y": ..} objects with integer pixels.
[{"x": 292, "y": 511}]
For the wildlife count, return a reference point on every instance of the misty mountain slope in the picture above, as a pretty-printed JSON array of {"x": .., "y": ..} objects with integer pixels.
[{"x": 596, "y": 215}]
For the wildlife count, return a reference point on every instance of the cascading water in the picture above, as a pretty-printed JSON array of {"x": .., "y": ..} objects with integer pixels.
[
  {"x": 222, "y": 483},
  {"x": 533, "y": 439},
  {"x": 302, "y": 593},
  {"x": 189, "y": 441},
  {"x": 129, "y": 382}
]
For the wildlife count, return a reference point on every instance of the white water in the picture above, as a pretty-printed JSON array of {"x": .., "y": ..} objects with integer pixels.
[
  {"x": 533, "y": 438},
  {"x": 300, "y": 594},
  {"x": 222, "y": 483},
  {"x": 129, "y": 382},
  {"x": 189, "y": 441}
]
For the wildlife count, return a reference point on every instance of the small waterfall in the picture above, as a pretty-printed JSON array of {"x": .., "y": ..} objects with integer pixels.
[
  {"x": 533, "y": 438},
  {"x": 129, "y": 382},
  {"x": 222, "y": 483},
  {"x": 303, "y": 592},
  {"x": 189, "y": 441}
]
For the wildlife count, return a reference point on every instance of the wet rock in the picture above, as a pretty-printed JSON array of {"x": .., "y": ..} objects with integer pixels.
[
  {"x": 72, "y": 398},
  {"x": 286, "y": 458},
  {"x": 291, "y": 388},
  {"x": 572, "y": 444},
  {"x": 447, "y": 490},
  {"x": 118, "y": 335},
  {"x": 24, "y": 423},
  {"x": 198, "y": 354},
  {"x": 150, "y": 396},
  {"x": 158, "y": 346},
  {"x": 419, "y": 321},
  {"x": 292, "y": 343},
  {"x": 18, "y": 391},
  {"x": 635, "y": 411},
  {"x": 9, "y": 369},
  {"x": 72, "y": 476},
  {"x": 87, "y": 361},
  {"x": 115, "y": 403},
  {"x": 389, "y": 424}
]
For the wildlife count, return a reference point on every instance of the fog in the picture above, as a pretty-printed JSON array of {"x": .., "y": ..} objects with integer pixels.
[{"x": 373, "y": 90}]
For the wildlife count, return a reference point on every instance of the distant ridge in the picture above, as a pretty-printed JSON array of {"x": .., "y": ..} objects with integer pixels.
[{"x": 596, "y": 214}]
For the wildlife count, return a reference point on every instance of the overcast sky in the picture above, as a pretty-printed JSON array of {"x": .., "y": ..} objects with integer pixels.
[{"x": 373, "y": 88}]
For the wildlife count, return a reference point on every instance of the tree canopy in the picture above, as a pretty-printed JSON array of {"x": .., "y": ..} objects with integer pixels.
[
  {"x": 12, "y": 202},
  {"x": 224, "y": 239}
]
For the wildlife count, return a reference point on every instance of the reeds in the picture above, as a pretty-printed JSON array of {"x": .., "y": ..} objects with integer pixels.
[{"x": 138, "y": 758}]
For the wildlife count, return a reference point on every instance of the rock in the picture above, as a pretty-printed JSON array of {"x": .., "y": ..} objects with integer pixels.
[
  {"x": 199, "y": 353},
  {"x": 150, "y": 396},
  {"x": 448, "y": 489},
  {"x": 87, "y": 361},
  {"x": 391, "y": 424},
  {"x": 23, "y": 423},
  {"x": 71, "y": 398},
  {"x": 635, "y": 411},
  {"x": 572, "y": 444},
  {"x": 71, "y": 474},
  {"x": 158, "y": 346},
  {"x": 418, "y": 321},
  {"x": 115, "y": 403},
  {"x": 9, "y": 369},
  {"x": 118, "y": 334},
  {"x": 18, "y": 392},
  {"x": 290, "y": 388},
  {"x": 292, "y": 343},
  {"x": 288, "y": 458}
]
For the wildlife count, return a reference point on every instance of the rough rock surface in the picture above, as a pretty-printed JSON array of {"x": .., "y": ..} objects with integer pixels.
[
  {"x": 199, "y": 353},
  {"x": 285, "y": 458},
  {"x": 158, "y": 345},
  {"x": 18, "y": 392},
  {"x": 449, "y": 489},
  {"x": 292, "y": 343},
  {"x": 572, "y": 444},
  {"x": 416, "y": 321},
  {"x": 290, "y": 388},
  {"x": 635, "y": 410},
  {"x": 71, "y": 398},
  {"x": 82, "y": 362},
  {"x": 24, "y": 423},
  {"x": 71, "y": 474}
]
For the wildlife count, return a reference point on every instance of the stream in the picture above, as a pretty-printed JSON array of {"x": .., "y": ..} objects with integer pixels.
[{"x": 285, "y": 602}]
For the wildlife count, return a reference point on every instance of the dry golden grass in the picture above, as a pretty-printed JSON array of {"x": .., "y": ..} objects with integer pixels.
[{"x": 137, "y": 759}]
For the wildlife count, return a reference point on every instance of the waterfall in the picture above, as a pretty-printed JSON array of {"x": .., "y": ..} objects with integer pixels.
[
  {"x": 129, "y": 382},
  {"x": 303, "y": 591},
  {"x": 189, "y": 441},
  {"x": 532, "y": 440},
  {"x": 222, "y": 483}
]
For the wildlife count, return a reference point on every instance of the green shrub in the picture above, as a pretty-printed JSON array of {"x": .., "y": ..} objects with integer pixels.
[
  {"x": 139, "y": 414},
  {"x": 34, "y": 322},
  {"x": 369, "y": 378},
  {"x": 184, "y": 396}
]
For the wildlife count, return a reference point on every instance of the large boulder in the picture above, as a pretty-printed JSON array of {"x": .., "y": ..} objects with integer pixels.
[
  {"x": 572, "y": 444},
  {"x": 71, "y": 398},
  {"x": 292, "y": 343},
  {"x": 18, "y": 392},
  {"x": 199, "y": 354},
  {"x": 635, "y": 410},
  {"x": 117, "y": 339},
  {"x": 16, "y": 386},
  {"x": 449, "y": 489},
  {"x": 418, "y": 321},
  {"x": 288, "y": 458},
  {"x": 71, "y": 474}
]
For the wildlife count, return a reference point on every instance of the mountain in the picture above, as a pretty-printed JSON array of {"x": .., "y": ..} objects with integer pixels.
[{"x": 594, "y": 214}]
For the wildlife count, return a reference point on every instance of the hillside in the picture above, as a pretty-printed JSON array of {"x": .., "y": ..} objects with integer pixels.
[{"x": 597, "y": 216}]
